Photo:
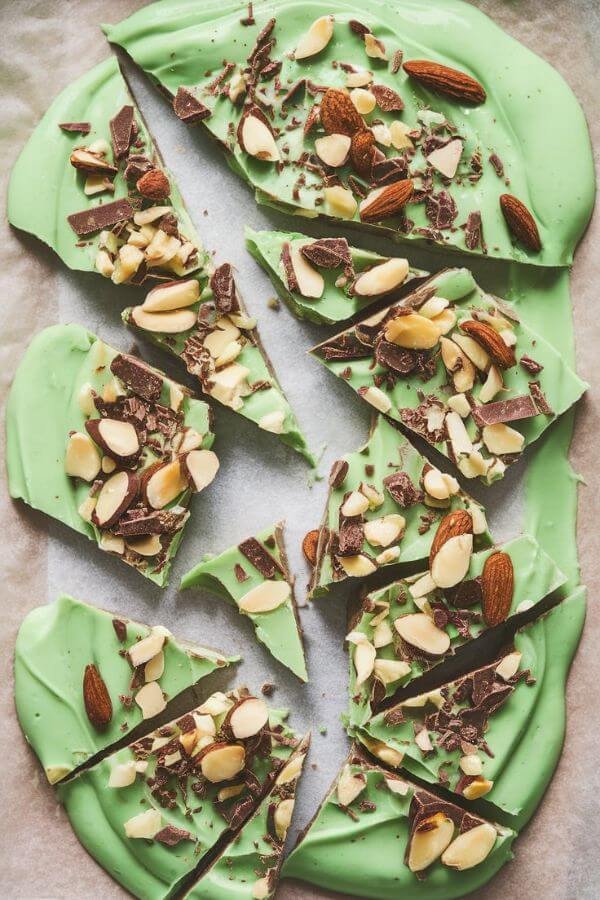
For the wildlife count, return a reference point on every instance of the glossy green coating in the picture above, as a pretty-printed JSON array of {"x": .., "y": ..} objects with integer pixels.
[
  {"x": 54, "y": 645},
  {"x": 279, "y": 630}
]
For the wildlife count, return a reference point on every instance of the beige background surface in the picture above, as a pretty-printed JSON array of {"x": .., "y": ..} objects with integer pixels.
[{"x": 43, "y": 47}]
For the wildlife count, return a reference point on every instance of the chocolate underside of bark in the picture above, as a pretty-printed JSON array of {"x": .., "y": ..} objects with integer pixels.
[
  {"x": 137, "y": 376},
  {"x": 121, "y": 131},
  {"x": 104, "y": 216},
  {"x": 188, "y": 108},
  {"x": 502, "y": 411},
  {"x": 260, "y": 558}
]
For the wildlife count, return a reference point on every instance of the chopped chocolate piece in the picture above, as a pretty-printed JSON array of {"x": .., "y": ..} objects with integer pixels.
[
  {"x": 270, "y": 70},
  {"x": 260, "y": 558},
  {"x": 441, "y": 209},
  {"x": 240, "y": 574},
  {"x": 394, "y": 357},
  {"x": 120, "y": 629},
  {"x": 249, "y": 19},
  {"x": 394, "y": 716},
  {"x": 224, "y": 290},
  {"x": 358, "y": 28},
  {"x": 350, "y": 537},
  {"x": 313, "y": 117},
  {"x": 497, "y": 165},
  {"x": 466, "y": 594},
  {"x": 387, "y": 99},
  {"x": 121, "y": 131},
  {"x": 138, "y": 522},
  {"x": 137, "y": 376},
  {"x": 328, "y": 253},
  {"x": 188, "y": 108},
  {"x": 168, "y": 224},
  {"x": 539, "y": 398},
  {"x": 288, "y": 268},
  {"x": 521, "y": 407},
  {"x": 473, "y": 231},
  {"x": 137, "y": 166},
  {"x": 345, "y": 346},
  {"x": 402, "y": 490},
  {"x": 81, "y": 127},
  {"x": 530, "y": 365},
  {"x": 396, "y": 63},
  {"x": 171, "y": 835},
  {"x": 108, "y": 214},
  {"x": 386, "y": 171},
  {"x": 267, "y": 688},
  {"x": 293, "y": 90},
  {"x": 338, "y": 473}
]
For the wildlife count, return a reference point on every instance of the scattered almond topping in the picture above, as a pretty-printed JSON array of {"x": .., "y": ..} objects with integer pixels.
[
  {"x": 82, "y": 459},
  {"x": 255, "y": 136},
  {"x": 471, "y": 847},
  {"x": 491, "y": 341},
  {"x": 340, "y": 201},
  {"x": 446, "y": 159},
  {"x": 432, "y": 836},
  {"x": 385, "y": 202},
  {"x": 144, "y": 825},
  {"x": 501, "y": 438},
  {"x": 247, "y": 717},
  {"x": 479, "y": 787},
  {"x": 150, "y": 700},
  {"x": 363, "y": 152},
  {"x": 265, "y": 597},
  {"x": 154, "y": 185},
  {"x": 96, "y": 698},
  {"x": 521, "y": 222},
  {"x": 309, "y": 545},
  {"x": 445, "y": 80},
  {"x": 412, "y": 331},
  {"x": 350, "y": 785},
  {"x": 382, "y": 278},
  {"x": 222, "y": 762},
  {"x": 497, "y": 585},
  {"x": 455, "y": 523},
  {"x": 333, "y": 149},
  {"x": 418, "y": 630},
  {"x": 316, "y": 38}
]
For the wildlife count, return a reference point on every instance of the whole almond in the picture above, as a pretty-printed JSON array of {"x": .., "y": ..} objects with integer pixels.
[
  {"x": 386, "y": 202},
  {"x": 96, "y": 698},
  {"x": 362, "y": 152},
  {"x": 521, "y": 222},
  {"x": 309, "y": 545},
  {"x": 497, "y": 585},
  {"x": 154, "y": 185},
  {"x": 338, "y": 113},
  {"x": 488, "y": 338},
  {"x": 446, "y": 81},
  {"x": 452, "y": 525}
]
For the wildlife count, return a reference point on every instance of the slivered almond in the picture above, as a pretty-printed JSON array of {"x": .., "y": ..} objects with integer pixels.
[
  {"x": 521, "y": 222},
  {"x": 96, "y": 698},
  {"x": 338, "y": 114},
  {"x": 382, "y": 278},
  {"x": 316, "y": 38},
  {"x": 497, "y": 586},
  {"x": 445, "y": 80},
  {"x": 387, "y": 201},
  {"x": 455, "y": 523},
  {"x": 490, "y": 340}
]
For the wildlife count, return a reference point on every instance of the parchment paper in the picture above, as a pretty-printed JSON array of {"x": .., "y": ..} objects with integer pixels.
[{"x": 44, "y": 46}]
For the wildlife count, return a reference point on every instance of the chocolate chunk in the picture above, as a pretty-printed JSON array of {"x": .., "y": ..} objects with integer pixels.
[
  {"x": 387, "y": 99},
  {"x": 441, "y": 209},
  {"x": 504, "y": 411},
  {"x": 137, "y": 166},
  {"x": 539, "y": 398},
  {"x": 188, "y": 108},
  {"x": 138, "y": 377},
  {"x": 120, "y": 629},
  {"x": 358, "y": 28},
  {"x": 139, "y": 522},
  {"x": 171, "y": 835},
  {"x": 328, "y": 253},
  {"x": 121, "y": 131},
  {"x": 105, "y": 216},
  {"x": 168, "y": 224},
  {"x": 473, "y": 231},
  {"x": 467, "y": 593},
  {"x": 394, "y": 357},
  {"x": 240, "y": 574},
  {"x": 350, "y": 537},
  {"x": 338, "y": 473},
  {"x": 530, "y": 365},
  {"x": 224, "y": 290},
  {"x": 396, "y": 63},
  {"x": 386, "y": 171},
  {"x": 497, "y": 165},
  {"x": 260, "y": 558},
  {"x": 80, "y": 127},
  {"x": 344, "y": 346},
  {"x": 402, "y": 490}
]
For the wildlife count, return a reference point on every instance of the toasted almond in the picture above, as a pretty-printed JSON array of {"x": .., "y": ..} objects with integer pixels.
[
  {"x": 350, "y": 785},
  {"x": 355, "y": 504},
  {"x": 228, "y": 384},
  {"x": 433, "y": 307},
  {"x": 418, "y": 630},
  {"x": 455, "y": 523},
  {"x": 291, "y": 771},
  {"x": 128, "y": 261},
  {"x": 458, "y": 435},
  {"x": 310, "y": 543},
  {"x": 387, "y": 201},
  {"x": 222, "y": 762},
  {"x": 479, "y": 787},
  {"x": 265, "y": 597},
  {"x": 116, "y": 495},
  {"x": 122, "y": 774},
  {"x": 118, "y": 439},
  {"x": 497, "y": 586},
  {"x": 145, "y": 825},
  {"x": 164, "y": 482},
  {"x": 340, "y": 201},
  {"x": 247, "y": 717},
  {"x": 445, "y": 321},
  {"x": 333, "y": 149},
  {"x": 439, "y": 485},
  {"x": 521, "y": 222},
  {"x": 388, "y": 755},
  {"x": 224, "y": 333},
  {"x": 304, "y": 278},
  {"x": 491, "y": 386},
  {"x": 374, "y": 48},
  {"x": 91, "y": 163},
  {"x": 96, "y": 698},
  {"x": 144, "y": 650},
  {"x": 470, "y": 848},
  {"x": 475, "y": 352},
  {"x": 502, "y": 439},
  {"x": 389, "y": 555},
  {"x": 445, "y": 80},
  {"x": 82, "y": 459},
  {"x": 509, "y": 665},
  {"x": 458, "y": 365},
  {"x": 357, "y": 566},
  {"x": 338, "y": 114},
  {"x": 363, "y": 152},
  {"x": 390, "y": 670},
  {"x": 377, "y": 398},
  {"x": 227, "y": 793},
  {"x": 364, "y": 661},
  {"x": 150, "y": 700},
  {"x": 382, "y": 278},
  {"x": 429, "y": 841},
  {"x": 384, "y": 531},
  {"x": 255, "y": 136},
  {"x": 201, "y": 467},
  {"x": 111, "y": 543},
  {"x": 414, "y": 332},
  {"x": 490, "y": 340},
  {"x": 173, "y": 322},
  {"x": 316, "y": 38},
  {"x": 451, "y": 562},
  {"x": 173, "y": 295},
  {"x": 458, "y": 403}
]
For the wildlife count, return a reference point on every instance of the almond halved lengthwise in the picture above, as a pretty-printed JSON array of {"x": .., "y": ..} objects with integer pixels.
[
  {"x": 201, "y": 467},
  {"x": 82, "y": 459},
  {"x": 265, "y": 597},
  {"x": 172, "y": 295},
  {"x": 418, "y": 630},
  {"x": 222, "y": 762},
  {"x": 255, "y": 136},
  {"x": 429, "y": 841},
  {"x": 470, "y": 848},
  {"x": 381, "y": 279},
  {"x": 163, "y": 482},
  {"x": 174, "y": 321},
  {"x": 119, "y": 439},
  {"x": 116, "y": 495},
  {"x": 316, "y": 38},
  {"x": 247, "y": 717},
  {"x": 350, "y": 785}
]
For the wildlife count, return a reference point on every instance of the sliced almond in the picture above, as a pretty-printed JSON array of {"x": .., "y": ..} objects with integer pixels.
[
  {"x": 422, "y": 586},
  {"x": 122, "y": 775},
  {"x": 143, "y": 651},
  {"x": 222, "y": 762},
  {"x": 340, "y": 201},
  {"x": 364, "y": 101},
  {"x": 391, "y": 554},
  {"x": 265, "y": 597},
  {"x": 491, "y": 386},
  {"x": 382, "y": 134},
  {"x": 471, "y": 847},
  {"x": 306, "y": 279},
  {"x": 388, "y": 755},
  {"x": 228, "y": 384},
  {"x": 223, "y": 334},
  {"x": 191, "y": 440},
  {"x": 364, "y": 661},
  {"x": 458, "y": 365},
  {"x": 374, "y": 47},
  {"x": 144, "y": 825},
  {"x": 382, "y": 635},
  {"x": 116, "y": 495},
  {"x": 86, "y": 508},
  {"x": 423, "y": 741},
  {"x": 127, "y": 263},
  {"x": 473, "y": 350},
  {"x": 446, "y": 159},
  {"x": 104, "y": 263},
  {"x": 316, "y": 38},
  {"x": 111, "y": 543},
  {"x": 451, "y": 562},
  {"x": 201, "y": 467},
  {"x": 399, "y": 132},
  {"x": 458, "y": 435},
  {"x": 502, "y": 439},
  {"x": 174, "y": 295},
  {"x": 247, "y": 717},
  {"x": 397, "y": 786},
  {"x": 381, "y": 278},
  {"x": 333, "y": 149},
  {"x": 429, "y": 841},
  {"x": 471, "y": 764},
  {"x": 357, "y": 566},
  {"x": 413, "y": 332},
  {"x": 350, "y": 785},
  {"x": 433, "y": 307},
  {"x": 479, "y": 787},
  {"x": 274, "y": 422},
  {"x": 376, "y": 397},
  {"x": 82, "y": 459},
  {"x": 384, "y": 531},
  {"x": 440, "y": 485},
  {"x": 445, "y": 321},
  {"x": 478, "y": 518},
  {"x": 282, "y": 817},
  {"x": 119, "y": 439},
  {"x": 418, "y": 630},
  {"x": 360, "y": 78},
  {"x": 163, "y": 483},
  {"x": 150, "y": 700},
  {"x": 257, "y": 138},
  {"x": 162, "y": 249},
  {"x": 390, "y": 670},
  {"x": 459, "y": 404},
  {"x": 509, "y": 666},
  {"x": 291, "y": 770},
  {"x": 174, "y": 322},
  {"x": 155, "y": 667},
  {"x": 108, "y": 465},
  {"x": 375, "y": 497},
  {"x": 355, "y": 504}
]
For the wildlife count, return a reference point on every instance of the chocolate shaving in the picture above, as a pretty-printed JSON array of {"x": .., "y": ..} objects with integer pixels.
[
  {"x": 260, "y": 558},
  {"x": 188, "y": 108},
  {"x": 467, "y": 593},
  {"x": 473, "y": 231},
  {"x": 224, "y": 290},
  {"x": 171, "y": 835},
  {"x": 81, "y": 127},
  {"x": 344, "y": 346},
  {"x": 441, "y": 210},
  {"x": 240, "y": 574},
  {"x": 402, "y": 490},
  {"x": 121, "y": 131},
  {"x": 138, "y": 377},
  {"x": 497, "y": 165},
  {"x": 521, "y": 407},
  {"x": 338, "y": 473},
  {"x": 89, "y": 220},
  {"x": 394, "y": 357},
  {"x": 328, "y": 253},
  {"x": 386, "y": 171},
  {"x": 539, "y": 399},
  {"x": 387, "y": 99},
  {"x": 396, "y": 63},
  {"x": 530, "y": 365},
  {"x": 358, "y": 28},
  {"x": 139, "y": 522},
  {"x": 288, "y": 267},
  {"x": 120, "y": 629}
]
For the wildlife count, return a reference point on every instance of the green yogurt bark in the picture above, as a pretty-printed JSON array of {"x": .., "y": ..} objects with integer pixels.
[
  {"x": 254, "y": 575},
  {"x": 456, "y": 366},
  {"x": 249, "y": 867},
  {"x": 479, "y": 736},
  {"x": 377, "y": 835},
  {"x": 406, "y": 628},
  {"x": 154, "y": 811},
  {"x": 85, "y": 678},
  {"x": 325, "y": 279},
  {"x": 107, "y": 445},
  {"x": 366, "y": 115},
  {"x": 379, "y": 511}
]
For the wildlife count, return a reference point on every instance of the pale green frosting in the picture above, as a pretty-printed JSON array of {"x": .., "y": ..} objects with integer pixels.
[
  {"x": 361, "y": 853},
  {"x": 549, "y": 167},
  {"x": 535, "y": 576},
  {"x": 150, "y": 869},
  {"x": 279, "y": 630},
  {"x": 515, "y": 770},
  {"x": 54, "y": 645},
  {"x": 559, "y": 383},
  {"x": 388, "y": 451},
  {"x": 44, "y": 407},
  {"x": 336, "y": 304}
]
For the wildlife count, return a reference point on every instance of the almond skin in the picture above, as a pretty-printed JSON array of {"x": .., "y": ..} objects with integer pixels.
[
  {"x": 446, "y": 81},
  {"x": 492, "y": 343},
  {"x": 521, "y": 222},
  {"x": 309, "y": 545},
  {"x": 338, "y": 114},
  {"x": 154, "y": 185},
  {"x": 96, "y": 698},
  {"x": 497, "y": 585},
  {"x": 452, "y": 525},
  {"x": 362, "y": 153},
  {"x": 389, "y": 202}
]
